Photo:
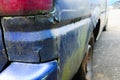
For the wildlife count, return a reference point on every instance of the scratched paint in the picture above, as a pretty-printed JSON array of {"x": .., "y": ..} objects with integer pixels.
[{"x": 60, "y": 35}]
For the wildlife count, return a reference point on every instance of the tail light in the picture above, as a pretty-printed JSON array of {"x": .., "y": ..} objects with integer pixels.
[{"x": 24, "y": 7}]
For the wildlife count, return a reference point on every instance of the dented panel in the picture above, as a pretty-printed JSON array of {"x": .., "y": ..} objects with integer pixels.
[{"x": 60, "y": 35}]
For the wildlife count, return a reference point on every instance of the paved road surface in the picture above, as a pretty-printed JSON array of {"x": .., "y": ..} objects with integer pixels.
[{"x": 106, "y": 58}]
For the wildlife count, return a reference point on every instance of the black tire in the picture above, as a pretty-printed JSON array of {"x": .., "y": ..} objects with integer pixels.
[
  {"x": 85, "y": 71},
  {"x": 105, "y": 27}
]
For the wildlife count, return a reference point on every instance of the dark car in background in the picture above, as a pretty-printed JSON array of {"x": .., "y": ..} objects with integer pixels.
[{"x": 49, "y": 39}]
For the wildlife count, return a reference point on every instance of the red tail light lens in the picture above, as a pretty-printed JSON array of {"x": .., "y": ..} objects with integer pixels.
[{"x": 24, "y": 7}]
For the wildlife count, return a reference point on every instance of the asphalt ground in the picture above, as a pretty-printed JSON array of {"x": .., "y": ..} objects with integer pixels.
[{"x": 106, "y": 57}]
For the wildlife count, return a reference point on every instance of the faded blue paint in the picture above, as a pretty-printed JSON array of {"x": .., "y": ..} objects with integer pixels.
[
  {"x": 27, "y": 71},
  {"x": 60, "y": 35}
]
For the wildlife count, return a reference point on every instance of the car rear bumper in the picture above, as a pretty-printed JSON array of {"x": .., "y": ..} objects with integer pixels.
[{"x": 27, "y": 71}]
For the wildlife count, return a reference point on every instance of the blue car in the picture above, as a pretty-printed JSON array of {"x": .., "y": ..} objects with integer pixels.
[{"x": 49, "y": 39}]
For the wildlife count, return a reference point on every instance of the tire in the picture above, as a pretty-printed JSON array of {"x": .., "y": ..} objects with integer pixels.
[
  {"x": 105, "y": 27},
  {"x": 85, "y": 71}
]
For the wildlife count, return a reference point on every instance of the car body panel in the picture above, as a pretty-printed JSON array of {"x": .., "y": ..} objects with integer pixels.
[
  {"x": 60, "y": 35},
  {"x": 27, "y": 71},
  {"x": 68, "y": 44}
]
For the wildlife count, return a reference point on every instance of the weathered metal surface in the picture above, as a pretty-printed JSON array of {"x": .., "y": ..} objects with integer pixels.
[
  {"x": 66, "y": 43},
  {"x": 62, "y": 34}
]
